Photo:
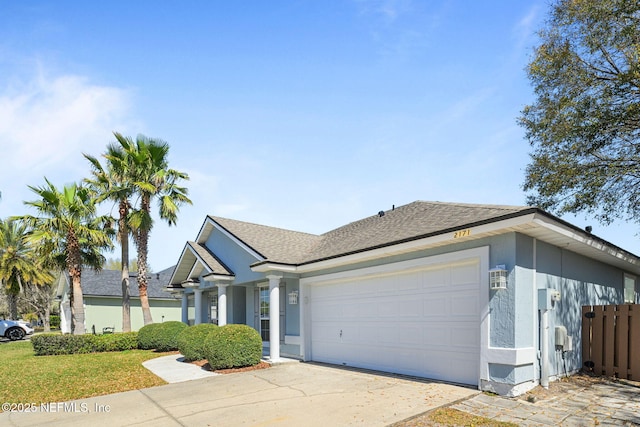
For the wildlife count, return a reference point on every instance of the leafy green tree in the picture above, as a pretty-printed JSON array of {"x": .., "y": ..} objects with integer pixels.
[
  {"x": 19, "y": 264},
  {"x": 68, "y": 233},
  {"x": 151, "y": 177},
  {"x": 584, "y": 125}
]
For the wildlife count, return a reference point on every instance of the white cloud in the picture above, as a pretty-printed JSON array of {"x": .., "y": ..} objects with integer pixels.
[
  {"x": 47, "y": 123},
  {"x": 54, "y": 119},
  {"x": 388, "y": 9},
  {"x": 526, "y": 27}
]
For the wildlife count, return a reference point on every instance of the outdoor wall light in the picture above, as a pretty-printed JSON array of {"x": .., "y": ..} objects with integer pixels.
[
  {"x": 293, "y": 297},
  {"x": 498, "y": 277}
]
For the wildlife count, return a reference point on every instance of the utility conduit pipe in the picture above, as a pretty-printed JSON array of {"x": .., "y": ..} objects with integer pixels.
[{"x": 544, "y": 348}]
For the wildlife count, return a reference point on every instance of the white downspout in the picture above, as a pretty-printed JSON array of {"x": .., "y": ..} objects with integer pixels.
[
  {"x": 544, "y": 344},
  {"x": 535, "y": 334}
]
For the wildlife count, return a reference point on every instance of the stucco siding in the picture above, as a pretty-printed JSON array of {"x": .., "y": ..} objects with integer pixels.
[
  {"x": 233, "y": 256},
  {"x": 525, "y": 293},
  {"x": 581, "y": 281},
  {"x": 508, "y": 374},
  {"x": 250, "y": 307},
  {"x": 292, "y": 311},
  {"x": 502, "y": 303},
  {"x": 237, "y": 312}
]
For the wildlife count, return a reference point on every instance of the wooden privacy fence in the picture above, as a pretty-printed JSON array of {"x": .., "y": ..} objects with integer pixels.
[{"x": 611, "y": 340}]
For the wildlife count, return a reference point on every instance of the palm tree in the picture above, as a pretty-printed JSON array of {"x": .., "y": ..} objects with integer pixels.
[
  {"x": 152, "y": 178},
  {"x": 69, "y": 233},
  {"x": 113, "y": 184},
  {"x": 19, "y": 264}
]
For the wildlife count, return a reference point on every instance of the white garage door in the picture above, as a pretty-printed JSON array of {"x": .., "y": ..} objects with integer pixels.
[{"x": 423, "y": 322}]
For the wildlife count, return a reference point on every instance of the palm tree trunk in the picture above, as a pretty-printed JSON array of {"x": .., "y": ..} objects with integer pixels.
[
  {"x": 124, "y": 261},
  {"x": 74, "y": 265},
  {"x": 46, "y": 321},
  {"x": 12, "y": 303},
  {"x": 78, "y": 303},
  {"x": 142, "y": 239}
]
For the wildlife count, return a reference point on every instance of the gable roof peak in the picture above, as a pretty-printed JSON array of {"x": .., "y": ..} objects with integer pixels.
[{"x": 222, "y": 220}]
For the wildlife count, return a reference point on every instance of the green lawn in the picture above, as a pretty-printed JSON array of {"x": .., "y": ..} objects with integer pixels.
[{"x": 25, "y": 378}]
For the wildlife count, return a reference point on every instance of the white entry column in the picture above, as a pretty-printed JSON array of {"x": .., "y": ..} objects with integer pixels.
[
  {"x": 185, "y": 308},
  {"x": 197, "y": 301},
  {"x": 274, "y": 316},
  {"x": 222, "y": 304}
]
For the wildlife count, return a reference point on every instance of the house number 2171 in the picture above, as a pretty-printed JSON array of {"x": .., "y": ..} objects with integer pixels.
[{"x": 462, "y": 233}]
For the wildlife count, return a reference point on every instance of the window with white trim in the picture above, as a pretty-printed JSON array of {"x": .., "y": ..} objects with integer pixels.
[
  {"x": 629, "y": 289},
  {"x": 264, "y": 313},
  {"x": 214, "y": 308}
]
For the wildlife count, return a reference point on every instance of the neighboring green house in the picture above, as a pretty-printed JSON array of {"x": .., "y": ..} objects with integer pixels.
[{"x": 103, "y": 300}]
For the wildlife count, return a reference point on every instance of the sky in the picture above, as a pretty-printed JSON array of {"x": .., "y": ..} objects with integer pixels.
[{"x": 298, "y": 114}]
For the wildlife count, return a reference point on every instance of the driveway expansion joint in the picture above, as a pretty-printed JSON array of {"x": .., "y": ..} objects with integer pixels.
[{"x": 162, "y": 409}]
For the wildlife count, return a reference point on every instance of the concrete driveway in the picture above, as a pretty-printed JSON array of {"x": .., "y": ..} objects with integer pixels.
[{"x": 292, "y": 394}]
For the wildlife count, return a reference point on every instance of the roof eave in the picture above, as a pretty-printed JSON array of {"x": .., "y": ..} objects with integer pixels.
[
  {"x": 267, "y": 266},
  {"x": 533, "y": 222},
  {"x": 214, "y": 277}
]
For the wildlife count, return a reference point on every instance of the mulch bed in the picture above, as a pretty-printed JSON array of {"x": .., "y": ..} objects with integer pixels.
[{"x": 205, "y": 365}]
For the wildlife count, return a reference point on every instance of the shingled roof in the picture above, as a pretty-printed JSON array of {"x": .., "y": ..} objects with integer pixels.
[
  {"x": 272, "y": 243},
  {"x": 413, "y": 221},
  {"x": 106, "y": 283},
  {"x": 210, "y": 259}
]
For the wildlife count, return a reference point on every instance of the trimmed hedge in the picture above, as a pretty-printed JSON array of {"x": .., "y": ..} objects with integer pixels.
[
  {"x": 52, "y": 344},
  {"x": 160, "y": 336},
  {"x": 147, "y": 336},
  {"x": 54, "y": 321},
  {"x": 191, "y": 341},
  {"x": 233, "y": 346}
]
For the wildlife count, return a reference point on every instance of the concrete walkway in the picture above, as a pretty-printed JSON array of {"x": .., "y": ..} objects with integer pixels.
[
  {"x": 292, "y": 394},
  {"x": 173, "y": 369}
]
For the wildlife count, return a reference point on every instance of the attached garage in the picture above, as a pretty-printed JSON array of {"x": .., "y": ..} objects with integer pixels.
[
  {"x": 407, "y": 290},
  {"x": 419, "y": 317}
]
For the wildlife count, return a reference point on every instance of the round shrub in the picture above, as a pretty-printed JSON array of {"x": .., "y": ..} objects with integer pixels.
[
  {"x": 147, "y": 336},
  {"x": 233, "y": 346},
  {"x": 160, "y": 336},
  {"x": 191, "y": 341}
]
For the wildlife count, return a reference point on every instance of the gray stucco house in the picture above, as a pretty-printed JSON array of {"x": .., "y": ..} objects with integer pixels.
[
  {"x": 464, "y": 293},
  {"x": 102, "y": 292}
]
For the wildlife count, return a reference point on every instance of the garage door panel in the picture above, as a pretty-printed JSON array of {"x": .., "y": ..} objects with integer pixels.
[
  {"x": 467, "y": 337},
  {"x": 370, "y": 333},
  {"x": 423, "y": 323},
  {"x": 464, "y": 274},
  {"x": 465, "y": 305},
  {"x": 436, "y": 336},
  {"x": 435, "y": 306},
  {"x": 436, "y": 278},
  {"x": 408, "y": 335},
  {"x": 331, "y": 310},
  {"x": 326, "y": 331},
  {"x": 408, "y": 283}
]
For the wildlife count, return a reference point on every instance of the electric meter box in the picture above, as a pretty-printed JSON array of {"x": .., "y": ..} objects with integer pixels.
[{"x": 547, "y": 298}]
